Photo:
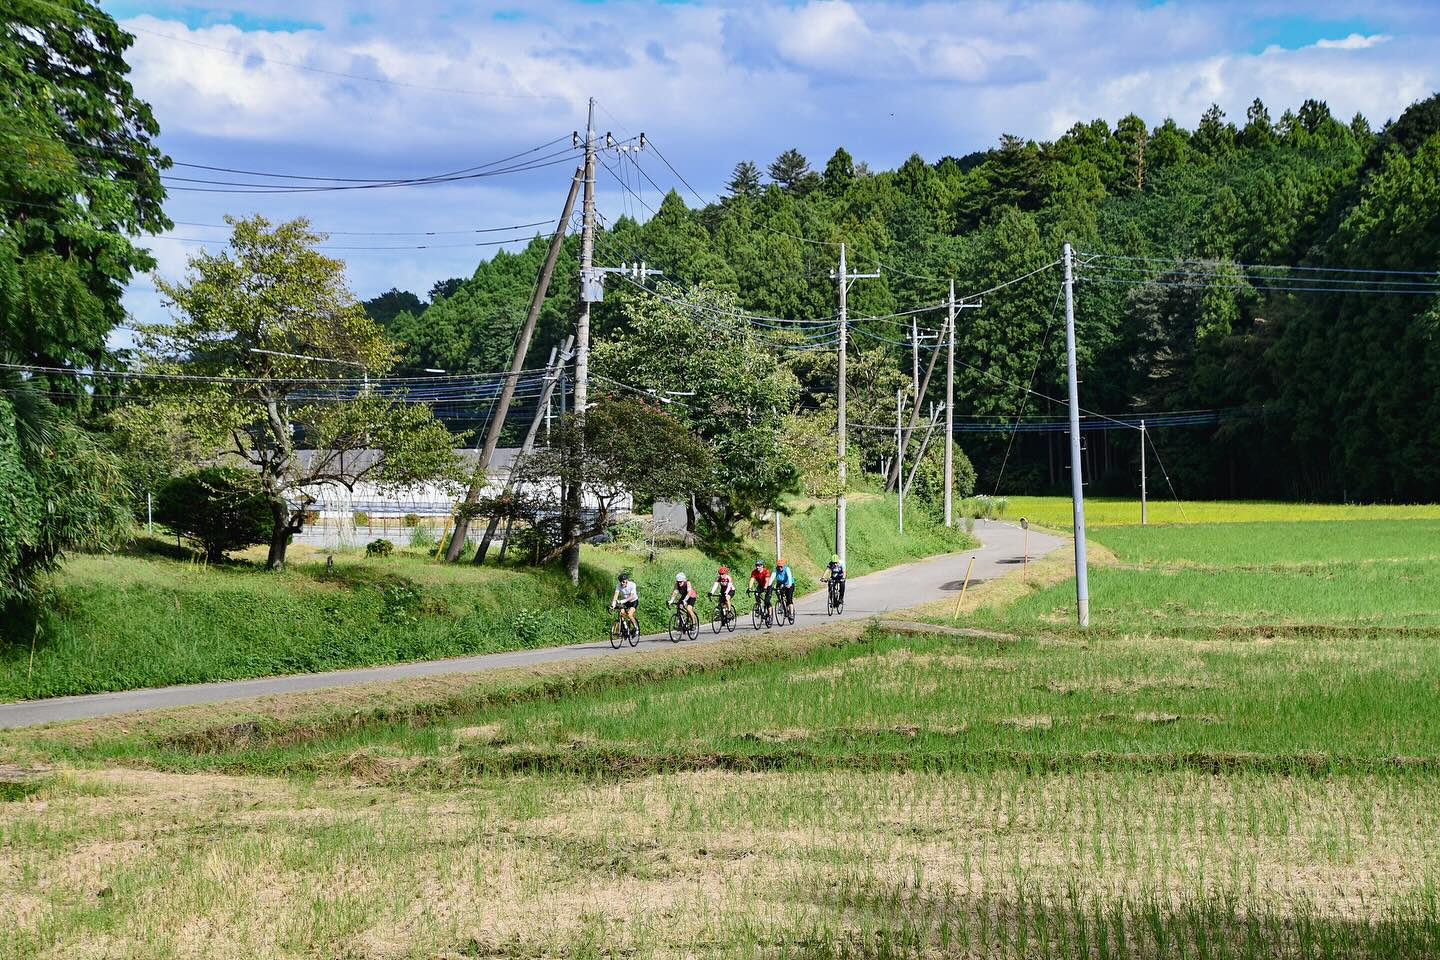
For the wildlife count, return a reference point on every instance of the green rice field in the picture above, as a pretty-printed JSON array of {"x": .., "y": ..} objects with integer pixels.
[{"x": 1241, "y": 758}]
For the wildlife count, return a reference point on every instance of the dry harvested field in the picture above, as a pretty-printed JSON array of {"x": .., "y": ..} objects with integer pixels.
[{"x": 1210, "y": 772}]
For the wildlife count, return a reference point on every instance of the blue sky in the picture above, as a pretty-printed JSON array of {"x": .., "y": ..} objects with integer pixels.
[{"x": 709, "y": 83}]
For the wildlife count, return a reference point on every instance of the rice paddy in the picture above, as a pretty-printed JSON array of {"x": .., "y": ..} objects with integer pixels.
[{"x": 1240, "y": 759}]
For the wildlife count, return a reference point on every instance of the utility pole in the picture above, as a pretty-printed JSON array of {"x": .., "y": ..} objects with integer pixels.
[
  {"x": 915, "y": 356},
  {"x": 1143, "y": 518},
  {"x": 950, "y": 414},
  {"x": 570, "y": 515},
  {"x": 778, "y": 554},
  {"x": 900, "y": 452},
  {"x": 551, "y": 366},
  {"x": 481, "y": 477},
  {"x": 1077, "y": 490},
  {"x": 845, "y": 278}
]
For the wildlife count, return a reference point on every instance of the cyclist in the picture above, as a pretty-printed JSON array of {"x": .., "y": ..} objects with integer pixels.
[
  {"x": 627, "y": 597},
  {"x": 835, "y": 573},
  {"x": 684, "y": 595},
  {"x": 724, "y": 585},
  {"x": 784, "y": 586},
  {"x": 760, "y": 583}
]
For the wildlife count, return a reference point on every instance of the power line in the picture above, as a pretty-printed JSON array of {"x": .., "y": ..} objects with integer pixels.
[
  {"x": 423, "y": 246},
  {"x": 1434, "y": 274}
]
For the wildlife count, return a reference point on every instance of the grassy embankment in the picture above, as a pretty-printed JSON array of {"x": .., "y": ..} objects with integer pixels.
[
  {"x": 147, "y": 619},
  {"x": 1216, "y": 770}
]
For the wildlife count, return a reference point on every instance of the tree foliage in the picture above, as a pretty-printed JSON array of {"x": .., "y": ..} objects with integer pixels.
[
  {"x": 623, "y": 448},
  {"x": 261, "y": 312},
  {"x": 736, "y": 393},
  {"x": 1319, "y": 395},
  {"x": 79, "y": 176},
  {"x": 219, "y": 508},
  {"x": 59, "y": 491}
]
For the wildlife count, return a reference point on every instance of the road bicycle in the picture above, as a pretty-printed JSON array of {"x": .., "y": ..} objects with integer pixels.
[
  {"x": 723, "y": 616},
  {"x": 784, "y": 609},
  {"x": 761, "y": 614},
  {"x": 623, "y": 629},
  {"x": 681, "y": 625},
  {"x": 834, "y": 602}
]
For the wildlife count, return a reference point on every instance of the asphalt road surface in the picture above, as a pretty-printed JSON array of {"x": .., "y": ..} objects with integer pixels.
[{"x": 899, "y": 587}]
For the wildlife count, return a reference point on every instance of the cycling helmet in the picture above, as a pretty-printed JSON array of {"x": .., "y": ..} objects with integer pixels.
[
  {"x": 624, "y": 575},
  {"x": 759, "y": 564},
  {"x": 724, "y": 570},
  {"x": 834, "y": 558},
  {"x": 679, "y": 578},
  {"x": 779, "y": 563}
]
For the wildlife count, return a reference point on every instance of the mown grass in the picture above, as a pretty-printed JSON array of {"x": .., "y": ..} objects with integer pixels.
[
  {"x": 1056, "y": 512},
  {"x": 132, "y": 620},
  {"x": 1240, "y": 759}
]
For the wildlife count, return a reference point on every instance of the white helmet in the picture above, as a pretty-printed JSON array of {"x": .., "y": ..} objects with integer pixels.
[{"x": 680, "y": 578}]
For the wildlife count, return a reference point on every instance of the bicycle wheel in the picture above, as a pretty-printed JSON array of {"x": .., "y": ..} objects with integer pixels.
[
  {"x": 677, "y": 626},
  {"x": 730, "y": 619},
  {"x": 617, "y": 633},
  {"x": 632, "y": 632},
  {"x": 839, "y": 604},
  {"x": 757, "y": 616},
  {"x": 717, "y": 618},
  {"x": 694, "y": 632}
]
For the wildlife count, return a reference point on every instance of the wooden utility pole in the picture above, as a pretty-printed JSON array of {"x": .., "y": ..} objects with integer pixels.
[
  {"x": 480, "y": 478},
  {"x": 552, "y": 367},
  {"x": 570, "y": 514}
]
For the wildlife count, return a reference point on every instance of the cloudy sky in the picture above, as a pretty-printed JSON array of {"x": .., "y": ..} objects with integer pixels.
[{"x": 376, "y": 88}]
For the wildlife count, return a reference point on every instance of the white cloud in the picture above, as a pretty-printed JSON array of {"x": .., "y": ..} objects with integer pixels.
[
  {"x": 735, "y": 81},
  {"x": 1354, "y": 41}
]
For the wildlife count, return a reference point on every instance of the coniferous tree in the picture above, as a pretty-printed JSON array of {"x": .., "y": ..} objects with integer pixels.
[
  {"x": 744, "y": 181},
  {"x": 790, "y": 168}
]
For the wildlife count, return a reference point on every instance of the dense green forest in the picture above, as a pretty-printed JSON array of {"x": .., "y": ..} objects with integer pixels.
[{"x": 1315, "y": 382}]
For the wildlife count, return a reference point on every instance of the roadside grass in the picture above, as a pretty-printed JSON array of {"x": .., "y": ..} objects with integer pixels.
[
  {"x": 122, "y": 621},
  {"x": 1240, "y": 760},
  {"x": 1055, "y": 512}
]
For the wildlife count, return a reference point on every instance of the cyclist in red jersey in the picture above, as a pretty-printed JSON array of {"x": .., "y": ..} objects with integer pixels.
[{"x": 760, "y": 578}]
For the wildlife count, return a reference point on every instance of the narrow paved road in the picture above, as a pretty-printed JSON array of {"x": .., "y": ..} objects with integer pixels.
[{"x": 877, "y": 593}]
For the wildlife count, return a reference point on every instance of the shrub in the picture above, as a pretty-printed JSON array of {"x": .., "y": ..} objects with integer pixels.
[
  {"x": 929, "y": 482},
  {"x": 412, "y": 519},
  {"x": 361, "y": 518},
  {"x": 422, "y": 537},
  {"x": 379, "y": 548},
  {"x": 219, "y": 508}
]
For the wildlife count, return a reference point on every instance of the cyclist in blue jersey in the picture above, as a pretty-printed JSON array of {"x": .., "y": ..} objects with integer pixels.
[{"x": 785, "y": 587}]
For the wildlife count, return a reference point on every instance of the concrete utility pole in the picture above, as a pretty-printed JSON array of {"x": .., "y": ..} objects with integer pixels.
[
  {"x": 1077, "y": 489},
  {"x": 571, "y": 513},
  {"x": 893, "y": 480},
  {"x": 950, "y": 414},
  {"x": 845, "y": 278},
  {"x": 955, "y": 308},
  {"x": 481, "y": 477},
  {"x": 915, "y": 356},
  {"x": 900, "y": 452},
  {"x": 1143, "y": 518}
]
